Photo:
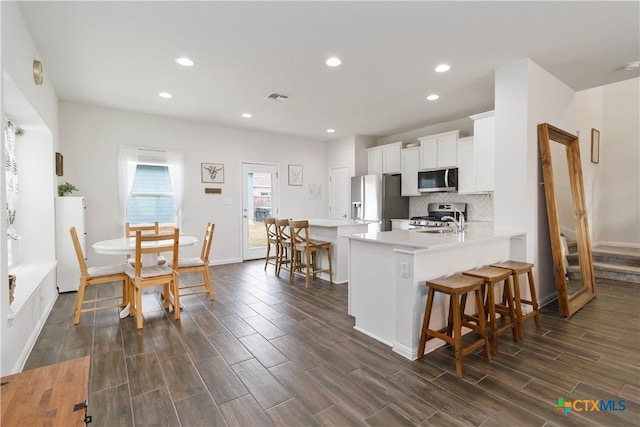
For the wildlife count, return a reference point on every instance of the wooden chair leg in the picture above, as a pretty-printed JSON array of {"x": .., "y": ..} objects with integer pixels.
[
  {"x": 138, "y": 292},
  {"x": 206, "y": 274},
  {"x": 493, "y": 327},
  {"x": 330, "y": 268},
  {"x": 517, "y": 304},
  {"x": 308, "y": 264},
  {"x": 512, "y": 314},
  {"x": 457, "y": 331},
  {"x": 294, "y": 256},
  {"x": 534, "y": 297},
  {"x": 266, "y": 261},
  {"x": 425, "y": 323},
  {"x": 79, "y": 300},
  {"x": 176, "y": 296},
  {"x": 482, "y": 322}
]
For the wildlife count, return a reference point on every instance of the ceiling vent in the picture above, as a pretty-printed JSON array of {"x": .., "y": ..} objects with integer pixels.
[{"x": 276, "y": 97}]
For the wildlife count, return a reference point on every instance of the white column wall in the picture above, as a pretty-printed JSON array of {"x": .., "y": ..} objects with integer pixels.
[
  {"x": 35, "y": 109},
  {"x": 527, "y": 95},
  {"x": 618, "y": 183}
]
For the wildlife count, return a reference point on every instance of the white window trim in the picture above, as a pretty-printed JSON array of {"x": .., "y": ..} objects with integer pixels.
[{"x": 129, "y": 157}]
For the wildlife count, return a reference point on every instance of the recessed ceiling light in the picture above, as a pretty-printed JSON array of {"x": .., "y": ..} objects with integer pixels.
[
  {"x": 442, "y": 68},
  {"x": 333, "y": 62},
  {"x": 184, "y": 61},
  {"x": 433, "y": 97},
  {"x": 246, "y": 115},
  {"x": 331, "y": 130},
  {"x": 164, "y": 95}
]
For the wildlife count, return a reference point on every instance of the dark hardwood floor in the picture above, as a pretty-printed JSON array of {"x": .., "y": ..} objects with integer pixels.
[{"x": 269, "y": 353}]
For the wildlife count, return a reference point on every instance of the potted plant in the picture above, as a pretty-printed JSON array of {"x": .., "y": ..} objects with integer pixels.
[{"x": 66, "y": 188}]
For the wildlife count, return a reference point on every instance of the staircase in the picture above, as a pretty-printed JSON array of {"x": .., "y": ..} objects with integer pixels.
[{"x": 609, "y": 262}]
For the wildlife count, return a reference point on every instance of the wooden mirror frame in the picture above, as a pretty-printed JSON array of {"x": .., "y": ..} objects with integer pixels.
[{"x": 567, "y": 304}]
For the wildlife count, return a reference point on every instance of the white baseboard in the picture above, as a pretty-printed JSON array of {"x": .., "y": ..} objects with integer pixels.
[{"x": 616, "y": 244}]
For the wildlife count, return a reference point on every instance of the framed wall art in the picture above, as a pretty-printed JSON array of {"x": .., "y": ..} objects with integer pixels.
[
  {"x": 595, "y": 146},
  {"x": 295, "y": 174},
  {"x": 212, "y": 172}
]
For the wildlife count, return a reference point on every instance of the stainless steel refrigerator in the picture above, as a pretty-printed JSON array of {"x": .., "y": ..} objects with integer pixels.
[{"x": 376, "y": 199}]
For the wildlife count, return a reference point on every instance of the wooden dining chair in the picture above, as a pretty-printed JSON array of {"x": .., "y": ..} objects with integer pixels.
[
  {"x": 303, "y": 245},
  {"x": 152, "y": 229},
  {"x": 95, "y": 276},
  {"x": 284, "y": 241},
  {"x": 142, "y": 276},
  {"x": 198, "y": 264},
  {"x": 272, "y": 242}
]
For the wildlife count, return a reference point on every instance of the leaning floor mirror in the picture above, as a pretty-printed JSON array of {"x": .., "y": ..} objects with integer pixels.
[{"x": 567, "y": 214}]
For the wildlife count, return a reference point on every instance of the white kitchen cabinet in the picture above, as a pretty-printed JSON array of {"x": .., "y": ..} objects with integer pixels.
[
  {"x": 374, "y": 160},
  {"x": 484, "y": 135},
  {"x": 439, "y": 151},
  {"x": 70, "y": 212},
  {"x": 466, "y": 166},
  {"x": 384, "y": 158},
  {"x": 476, "y": 167},
  {"x": 410, "y": 163}
]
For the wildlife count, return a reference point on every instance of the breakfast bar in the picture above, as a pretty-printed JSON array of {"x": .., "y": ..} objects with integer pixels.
[
  {"x": 388, "y": 270},
  {"x": 334, "y": 230}
]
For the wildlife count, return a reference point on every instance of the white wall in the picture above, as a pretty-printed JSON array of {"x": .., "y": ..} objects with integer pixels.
[
  {"x": 34, "y": 109},
  {"x": 613, "y": 185},
  {"x": 527, "y": 95},
  {"x": 90, "y": 136}
]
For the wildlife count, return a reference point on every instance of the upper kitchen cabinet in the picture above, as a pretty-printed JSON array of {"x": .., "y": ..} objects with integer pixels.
[
  {"x": 477, "y": 156},
  {"x": 384, "y": 159},
  {"x": 439, "y": 151},
  {"x": 410, "y": 163}
]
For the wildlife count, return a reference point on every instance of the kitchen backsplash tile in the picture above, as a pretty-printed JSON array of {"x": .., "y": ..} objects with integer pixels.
[{"x": 479, "y": 206}]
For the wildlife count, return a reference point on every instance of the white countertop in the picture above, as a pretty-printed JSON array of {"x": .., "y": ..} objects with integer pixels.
[
  {"x": 333, "y": 223},
  {"x": 474, "y": 233}
]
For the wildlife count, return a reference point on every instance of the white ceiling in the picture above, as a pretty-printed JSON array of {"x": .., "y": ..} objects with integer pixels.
[{"x": 121, "y": 55}]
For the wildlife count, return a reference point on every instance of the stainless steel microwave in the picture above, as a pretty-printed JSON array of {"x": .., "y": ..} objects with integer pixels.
[{"x": 439, "y": 180}]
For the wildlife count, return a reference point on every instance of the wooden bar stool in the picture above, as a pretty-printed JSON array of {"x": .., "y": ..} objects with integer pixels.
[
  {"x": 457, "y": 287},
  {"x": 272, "y": 240},
  {"x": 492, "y": 276},
  {"x": 517, "y": 269}
]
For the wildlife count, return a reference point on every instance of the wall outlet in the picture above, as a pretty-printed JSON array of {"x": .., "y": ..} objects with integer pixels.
[{"x": 404, "y": 270}]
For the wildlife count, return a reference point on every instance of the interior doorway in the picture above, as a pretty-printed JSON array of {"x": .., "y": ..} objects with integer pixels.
[{"x": 339, "y": 193}]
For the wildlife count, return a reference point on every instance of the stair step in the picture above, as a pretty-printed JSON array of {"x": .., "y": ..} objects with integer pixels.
[
  {"x": 613, "y": 255},
  {"x": 623, "y": 273}
]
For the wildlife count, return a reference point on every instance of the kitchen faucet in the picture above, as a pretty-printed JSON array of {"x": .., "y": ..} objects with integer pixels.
[{"x": 458, "y": 223}]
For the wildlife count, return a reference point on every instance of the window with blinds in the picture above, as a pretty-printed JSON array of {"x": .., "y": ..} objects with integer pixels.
[{"x": 152, "y": 196}]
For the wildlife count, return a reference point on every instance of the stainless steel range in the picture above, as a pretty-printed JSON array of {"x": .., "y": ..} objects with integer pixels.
[{"x": 436, "y": 213}]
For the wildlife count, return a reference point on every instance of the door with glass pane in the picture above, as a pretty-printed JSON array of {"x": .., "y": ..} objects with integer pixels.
[{"x": 259, "y": 201}]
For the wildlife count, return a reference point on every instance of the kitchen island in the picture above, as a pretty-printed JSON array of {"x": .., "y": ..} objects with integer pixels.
[
  {"x": 388, "y": 270},
  {"x": 332, "y": 230}
]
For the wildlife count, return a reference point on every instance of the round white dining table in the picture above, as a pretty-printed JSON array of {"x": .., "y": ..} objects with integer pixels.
[{"x": 127, "y": 246}]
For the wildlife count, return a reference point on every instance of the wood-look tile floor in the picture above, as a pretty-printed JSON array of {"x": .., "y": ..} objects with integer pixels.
[{"x": 269, "y": 353}]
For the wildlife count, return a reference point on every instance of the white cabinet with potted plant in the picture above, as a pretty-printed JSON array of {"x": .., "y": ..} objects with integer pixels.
[
  {"x": 410, "y": 162},
  {"x": 384, "y": 158},
  {"x": 439, "y": 151},
  {"x": 70, "y": 212}
]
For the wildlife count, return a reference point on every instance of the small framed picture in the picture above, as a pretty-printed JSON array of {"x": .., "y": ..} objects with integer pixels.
[
  {"x": 595, "y": 146},
  {"x": 59, "y": 164},
  {"x": 295, "y": 175},
  {"x": 212, "y": 172}
]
